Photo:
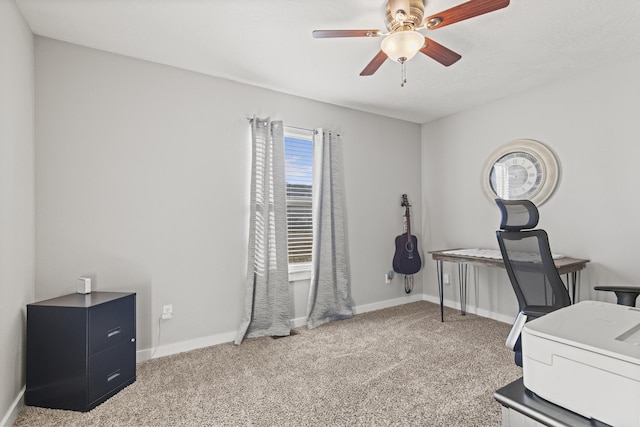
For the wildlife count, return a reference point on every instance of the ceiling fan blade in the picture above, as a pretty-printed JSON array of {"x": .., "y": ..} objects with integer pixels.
[
  {"x": 323, "y": 34},
  {"x": 463, "y": 11},
  {"x": 436, "y": 51},
  {"x": 375, "y": 63}
]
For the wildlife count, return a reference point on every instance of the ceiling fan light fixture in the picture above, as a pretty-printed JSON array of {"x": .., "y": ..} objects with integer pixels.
[{"x": 403, "y": 45}]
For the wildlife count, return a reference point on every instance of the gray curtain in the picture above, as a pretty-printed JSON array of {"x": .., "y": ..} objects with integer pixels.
[
  {"x": 266, "y": 306},
  {"x": 329, "y": 291}
]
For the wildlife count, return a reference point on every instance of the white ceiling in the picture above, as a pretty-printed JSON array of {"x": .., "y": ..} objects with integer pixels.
[{"x": 268, "y": 43}]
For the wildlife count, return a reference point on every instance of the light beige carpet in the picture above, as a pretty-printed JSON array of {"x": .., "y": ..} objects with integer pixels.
[{"x": 397, "y": 366}]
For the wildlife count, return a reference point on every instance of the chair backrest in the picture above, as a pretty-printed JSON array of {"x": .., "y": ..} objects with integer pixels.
[{"x": 527, "y": 257}]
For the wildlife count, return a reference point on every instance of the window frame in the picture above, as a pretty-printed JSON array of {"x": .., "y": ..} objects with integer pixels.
[{"x": 299, "y": 270}]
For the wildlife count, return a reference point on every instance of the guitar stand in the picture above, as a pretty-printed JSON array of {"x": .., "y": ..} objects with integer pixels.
[{"x": 408, "y": 283}]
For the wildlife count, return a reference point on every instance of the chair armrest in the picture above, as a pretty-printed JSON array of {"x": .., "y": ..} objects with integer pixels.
[
  {"x": 618, "y": 288},
  {"x": 516, "y": 329},
  {"x": 626, "y": 295},
  {"x": 528, "y": 313},
  {"x": 535, "y": 311}
]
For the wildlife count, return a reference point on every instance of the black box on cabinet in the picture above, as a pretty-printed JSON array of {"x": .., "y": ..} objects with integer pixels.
[{"x": 81, "y": 349}]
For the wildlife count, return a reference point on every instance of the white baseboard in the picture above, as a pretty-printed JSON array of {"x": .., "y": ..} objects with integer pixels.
[
  {"x": 225, "y": 337},
  {"x": 14, "y": 410},
  {"x": 388, "y": 303},
  {"x": 473, "y": 310},
  {"x": 180, "y": 347},
  {"x": 298, "y": 322}
]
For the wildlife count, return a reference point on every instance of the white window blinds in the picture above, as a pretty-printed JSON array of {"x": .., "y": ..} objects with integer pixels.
[{"x": 298, "y": 163}]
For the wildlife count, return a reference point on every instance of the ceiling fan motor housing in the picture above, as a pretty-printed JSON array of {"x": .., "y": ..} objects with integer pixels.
[{"x": 407, "y": 21}]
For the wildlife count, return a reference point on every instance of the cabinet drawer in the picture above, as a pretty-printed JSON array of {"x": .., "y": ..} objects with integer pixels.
[
  {"x": 111, "y": 323},
  {"x": 111, "y": 368}
]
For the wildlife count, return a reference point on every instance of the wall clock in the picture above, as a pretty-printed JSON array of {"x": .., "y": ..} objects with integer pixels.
[{"x": 521, "y": 169}]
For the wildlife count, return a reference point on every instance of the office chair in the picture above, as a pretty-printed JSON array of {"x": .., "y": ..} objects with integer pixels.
[{"x": 530, "y": 267}]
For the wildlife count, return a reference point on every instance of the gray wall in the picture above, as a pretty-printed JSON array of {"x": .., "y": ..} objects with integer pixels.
[
  {"x": 591, "y": 123},
  {"x": 17, "y": 224},
  {"x": 143, "y": 179}
]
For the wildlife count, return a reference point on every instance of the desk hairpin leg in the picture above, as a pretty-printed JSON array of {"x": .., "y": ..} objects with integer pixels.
[
  {"x": 573, "y": 281},
  {"x": 440, "y": 288},
  {"x": 462, "y": 279},
  {"x": 476, "y": 286}
]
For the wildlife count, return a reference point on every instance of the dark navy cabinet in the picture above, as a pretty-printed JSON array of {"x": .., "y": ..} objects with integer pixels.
[{"x": 81, "y": 349}]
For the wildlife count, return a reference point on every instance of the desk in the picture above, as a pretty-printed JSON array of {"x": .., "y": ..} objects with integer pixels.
[{"x": 565, "y": 265}]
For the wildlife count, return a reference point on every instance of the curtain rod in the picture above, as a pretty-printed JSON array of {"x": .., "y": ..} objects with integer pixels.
[{"x": 314, "y": 131}]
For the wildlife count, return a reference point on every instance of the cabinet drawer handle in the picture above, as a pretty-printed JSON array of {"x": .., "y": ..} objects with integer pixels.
[
  {"x": 113, "y": 332},
  {"x": 113, "y": 375}
]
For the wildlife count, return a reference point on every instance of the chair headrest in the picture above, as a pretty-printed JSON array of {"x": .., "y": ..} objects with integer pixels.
[{"x": 517, "y": 214}]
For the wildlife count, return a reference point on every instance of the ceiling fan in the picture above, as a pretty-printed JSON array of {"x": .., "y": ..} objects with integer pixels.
[{"x": 403, "y": 41}]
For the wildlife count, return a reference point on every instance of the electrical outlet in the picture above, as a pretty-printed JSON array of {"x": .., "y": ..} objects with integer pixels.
[
  {"x": 445, "y": 279},
  {"x": 388, "y": 277},
  {"x": 167, "y": 311}
]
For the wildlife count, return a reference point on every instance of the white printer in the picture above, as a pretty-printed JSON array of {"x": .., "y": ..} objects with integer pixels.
[{"x": 586, "y": 358}]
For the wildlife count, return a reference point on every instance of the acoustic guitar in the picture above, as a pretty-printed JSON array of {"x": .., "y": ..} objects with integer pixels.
[{"x": 406, "y": 259}]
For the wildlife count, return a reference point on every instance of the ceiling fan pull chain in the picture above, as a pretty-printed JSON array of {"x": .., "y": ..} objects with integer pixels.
[{"x": 404, "y": 74}]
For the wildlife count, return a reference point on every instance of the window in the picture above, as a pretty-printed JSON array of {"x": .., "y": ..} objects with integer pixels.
[{"x": 298, "y": 148}]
